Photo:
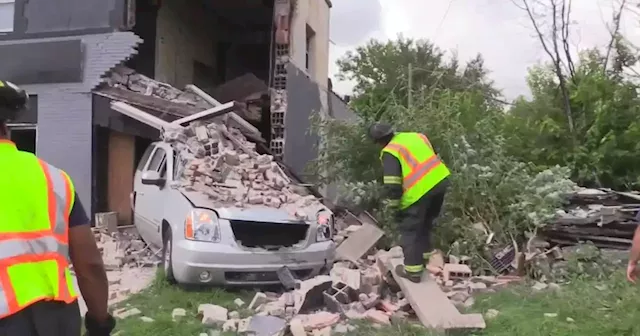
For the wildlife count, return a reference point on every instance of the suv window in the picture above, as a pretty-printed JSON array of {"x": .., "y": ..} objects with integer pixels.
[
  {"x": 157, "y": 160},
  {"x": 176, "y": 165},
  {"x": 145, "y": 157}
]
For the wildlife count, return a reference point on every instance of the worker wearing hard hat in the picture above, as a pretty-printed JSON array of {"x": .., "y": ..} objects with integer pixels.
[
  {"x": 43, "y": 229},
  {"x": 416, "y": 181}
]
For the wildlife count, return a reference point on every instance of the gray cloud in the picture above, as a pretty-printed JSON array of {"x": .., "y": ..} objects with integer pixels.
[
  {"x": 497, "y": 29},
  {"x": 352, "y": 21}
]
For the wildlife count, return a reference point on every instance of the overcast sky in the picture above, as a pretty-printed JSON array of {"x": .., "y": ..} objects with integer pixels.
[{"x": 497, "y": 29}]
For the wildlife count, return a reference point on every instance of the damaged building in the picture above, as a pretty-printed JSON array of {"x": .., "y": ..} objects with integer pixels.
[{"x": 75, "y": 58}]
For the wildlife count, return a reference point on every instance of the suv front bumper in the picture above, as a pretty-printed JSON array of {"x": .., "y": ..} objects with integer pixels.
[{"x": 220, "y": 264}]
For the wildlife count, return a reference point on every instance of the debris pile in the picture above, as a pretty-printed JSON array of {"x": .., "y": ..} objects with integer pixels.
[
  {"x": 130, "y": 263},
  {"x": 221, "y": 163},
  {"x": 368, "y": 290},
  {"x": 126, "y": 78},
  {"x": 605, "y": 217}
]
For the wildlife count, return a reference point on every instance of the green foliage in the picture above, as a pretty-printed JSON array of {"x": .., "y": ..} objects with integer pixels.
[
  {"x": 602, "y": 150},
  {"x": 489, "y": 189},
  {"x": 380, "y": 71}
]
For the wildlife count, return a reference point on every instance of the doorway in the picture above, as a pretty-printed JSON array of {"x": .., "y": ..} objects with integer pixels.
[{"x": 24, "y": 136}]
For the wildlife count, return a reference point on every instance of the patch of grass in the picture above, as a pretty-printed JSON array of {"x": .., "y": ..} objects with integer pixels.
[
  {"x": 158, "y": 302},
  {"x": 584, "y": 307}
]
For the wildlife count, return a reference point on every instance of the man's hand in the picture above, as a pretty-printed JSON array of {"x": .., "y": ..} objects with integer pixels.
[{"x": 632, "y": 272}]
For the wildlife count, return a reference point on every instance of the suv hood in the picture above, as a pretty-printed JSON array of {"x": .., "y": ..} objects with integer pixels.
[{"x": 259, "y": 213}]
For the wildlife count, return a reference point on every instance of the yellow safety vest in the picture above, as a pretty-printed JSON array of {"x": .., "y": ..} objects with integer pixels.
[
  {"x": 35, "y": 202},
  {"x": 421, "y": 167}
]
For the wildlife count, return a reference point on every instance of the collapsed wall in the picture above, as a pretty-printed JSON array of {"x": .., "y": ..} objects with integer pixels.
[
  {"x": 222, "y": 164},
  {"x": 282, "y": 20}
]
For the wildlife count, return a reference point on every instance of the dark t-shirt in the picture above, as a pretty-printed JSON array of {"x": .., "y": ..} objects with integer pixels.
[{"x": 78, "y": 215}]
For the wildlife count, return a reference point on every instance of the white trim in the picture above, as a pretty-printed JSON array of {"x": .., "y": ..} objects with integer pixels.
[
  {"x": 22, "y": 126},
  {"x": 11, "y": 23}
]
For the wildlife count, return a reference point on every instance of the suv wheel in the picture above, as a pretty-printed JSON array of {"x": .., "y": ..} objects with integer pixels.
[{"x": 166, "y": 257}]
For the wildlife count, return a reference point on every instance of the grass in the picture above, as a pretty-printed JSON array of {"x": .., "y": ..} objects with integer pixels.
[{"x": 584, "y": 308}]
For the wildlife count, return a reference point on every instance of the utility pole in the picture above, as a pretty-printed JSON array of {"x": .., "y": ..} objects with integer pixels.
[{"x": 410, "y": 86}]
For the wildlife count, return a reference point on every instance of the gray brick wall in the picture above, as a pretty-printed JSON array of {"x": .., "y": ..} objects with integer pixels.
[{"x": 64, "y": 135}]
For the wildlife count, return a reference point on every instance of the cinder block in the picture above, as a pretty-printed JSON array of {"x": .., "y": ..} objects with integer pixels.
[{"x": 456, "y": 272}]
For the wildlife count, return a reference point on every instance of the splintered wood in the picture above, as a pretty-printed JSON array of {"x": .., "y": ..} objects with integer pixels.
[{"x": 432, "y": 306}]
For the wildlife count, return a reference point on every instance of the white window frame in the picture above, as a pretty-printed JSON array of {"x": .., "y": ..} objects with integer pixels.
[
  {"x": 11, "y": 24},
  {"x": 310, "y": 46}
]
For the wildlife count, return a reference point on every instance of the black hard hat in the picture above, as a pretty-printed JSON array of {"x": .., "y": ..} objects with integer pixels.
[
  {"x": 379, "y": 131},
  {"x": 12, "y": 100}
]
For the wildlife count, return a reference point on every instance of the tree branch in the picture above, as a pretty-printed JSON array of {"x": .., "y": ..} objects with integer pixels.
[
  {"x": 554, "y": 55},
  {"x": 617, "y": 18},
  {"x": 565, "y": 22}
]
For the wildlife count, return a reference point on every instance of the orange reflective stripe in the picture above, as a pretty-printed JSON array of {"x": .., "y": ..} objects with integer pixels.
[
  {"x": 404, "y": 153},
  {"x": 10, "y": 295},
  {"x": 421, "y": 171},
  {"x": 51, "y": 195},
  {"x": 68, "y": 205},
  {"x": 53, "y": 213},
  {"x": 426, "y": 140}
]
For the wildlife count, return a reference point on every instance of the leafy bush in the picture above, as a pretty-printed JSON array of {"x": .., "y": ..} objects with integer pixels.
[{"x": 490, "y": 191}]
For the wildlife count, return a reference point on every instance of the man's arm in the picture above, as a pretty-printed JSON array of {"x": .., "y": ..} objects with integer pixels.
[
  {"x": 87, "y": 263},
  {"x": 634, "y": 255},
  {"x": 392, "y": 179}
]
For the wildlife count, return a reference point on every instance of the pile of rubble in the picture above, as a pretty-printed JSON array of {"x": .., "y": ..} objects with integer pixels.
[
  {"x": 122, "y": 77},
  {"x": 332, "y": 304},
  {"x": 605, "y": 217},
  {"x": 130, "y": 263},
  {"x": 222, "y": 164}
]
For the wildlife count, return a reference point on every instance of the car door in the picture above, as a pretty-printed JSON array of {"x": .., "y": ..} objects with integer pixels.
[
  {"x": 147, "y": 210},
  {"x": 158, "y": 199},
  {"x": 138, "y": 191}
]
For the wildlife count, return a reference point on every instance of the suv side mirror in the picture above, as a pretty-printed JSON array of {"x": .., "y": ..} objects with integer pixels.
[{"x": 153, "y": 178}]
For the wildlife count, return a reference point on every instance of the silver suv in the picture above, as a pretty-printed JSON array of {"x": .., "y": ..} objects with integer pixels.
[{"x": 203, "y": 244}]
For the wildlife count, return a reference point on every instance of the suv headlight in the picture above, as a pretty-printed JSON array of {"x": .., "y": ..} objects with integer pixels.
[
  {"x": 324, "y": 230},
  {"x": 202, "y": 225}
]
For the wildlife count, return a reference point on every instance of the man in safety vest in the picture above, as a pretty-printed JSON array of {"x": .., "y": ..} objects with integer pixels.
[
  {"x": 416, "y": 181},
  {"x": 43, "y": 230}
]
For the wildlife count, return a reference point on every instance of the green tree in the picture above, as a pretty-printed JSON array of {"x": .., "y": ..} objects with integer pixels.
[
  {"x": 581, "y": 114},
  {"x": 491, "y": 192},
  {"x": 392, "y": 70}
]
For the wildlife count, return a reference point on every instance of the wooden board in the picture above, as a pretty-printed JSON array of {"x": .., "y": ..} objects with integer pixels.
[
  {"x": 121, "y": 168},
  {"x": 358, "y": 243},
  {"x": 432, "y": 306}
]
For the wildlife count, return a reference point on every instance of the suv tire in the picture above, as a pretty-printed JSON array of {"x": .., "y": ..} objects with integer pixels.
[{"x": 167, "y": 259}]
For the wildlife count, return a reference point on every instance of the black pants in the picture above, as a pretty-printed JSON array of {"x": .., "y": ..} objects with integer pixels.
[
  {"x": 44, "y": 318},
  {"x": 417, "y": 222}
]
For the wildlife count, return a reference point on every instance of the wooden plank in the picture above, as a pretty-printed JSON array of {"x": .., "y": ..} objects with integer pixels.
[
  {"x": 148, "y": 102},
  {"x": 141, "y": 116},
  {"x": 209, "y": 113},
  {"x": 238, "y": 120},
  {"x": 358, "y": 243},
  {"x": 121, "y": 168},
  {"x": 431, "y": 305}
]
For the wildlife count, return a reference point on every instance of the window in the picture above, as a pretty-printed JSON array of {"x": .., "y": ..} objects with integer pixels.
[
  {"x": 157, "y": 160},
  {"x": 177, "y": 166},
  {"x": 145, "y": 158},
  {"x": 7, "y": 11},
  {"x": 310, "y": 48}
]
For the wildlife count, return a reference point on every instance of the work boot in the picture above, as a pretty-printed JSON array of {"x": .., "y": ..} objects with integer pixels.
[{"x": 415, "y": 277}]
